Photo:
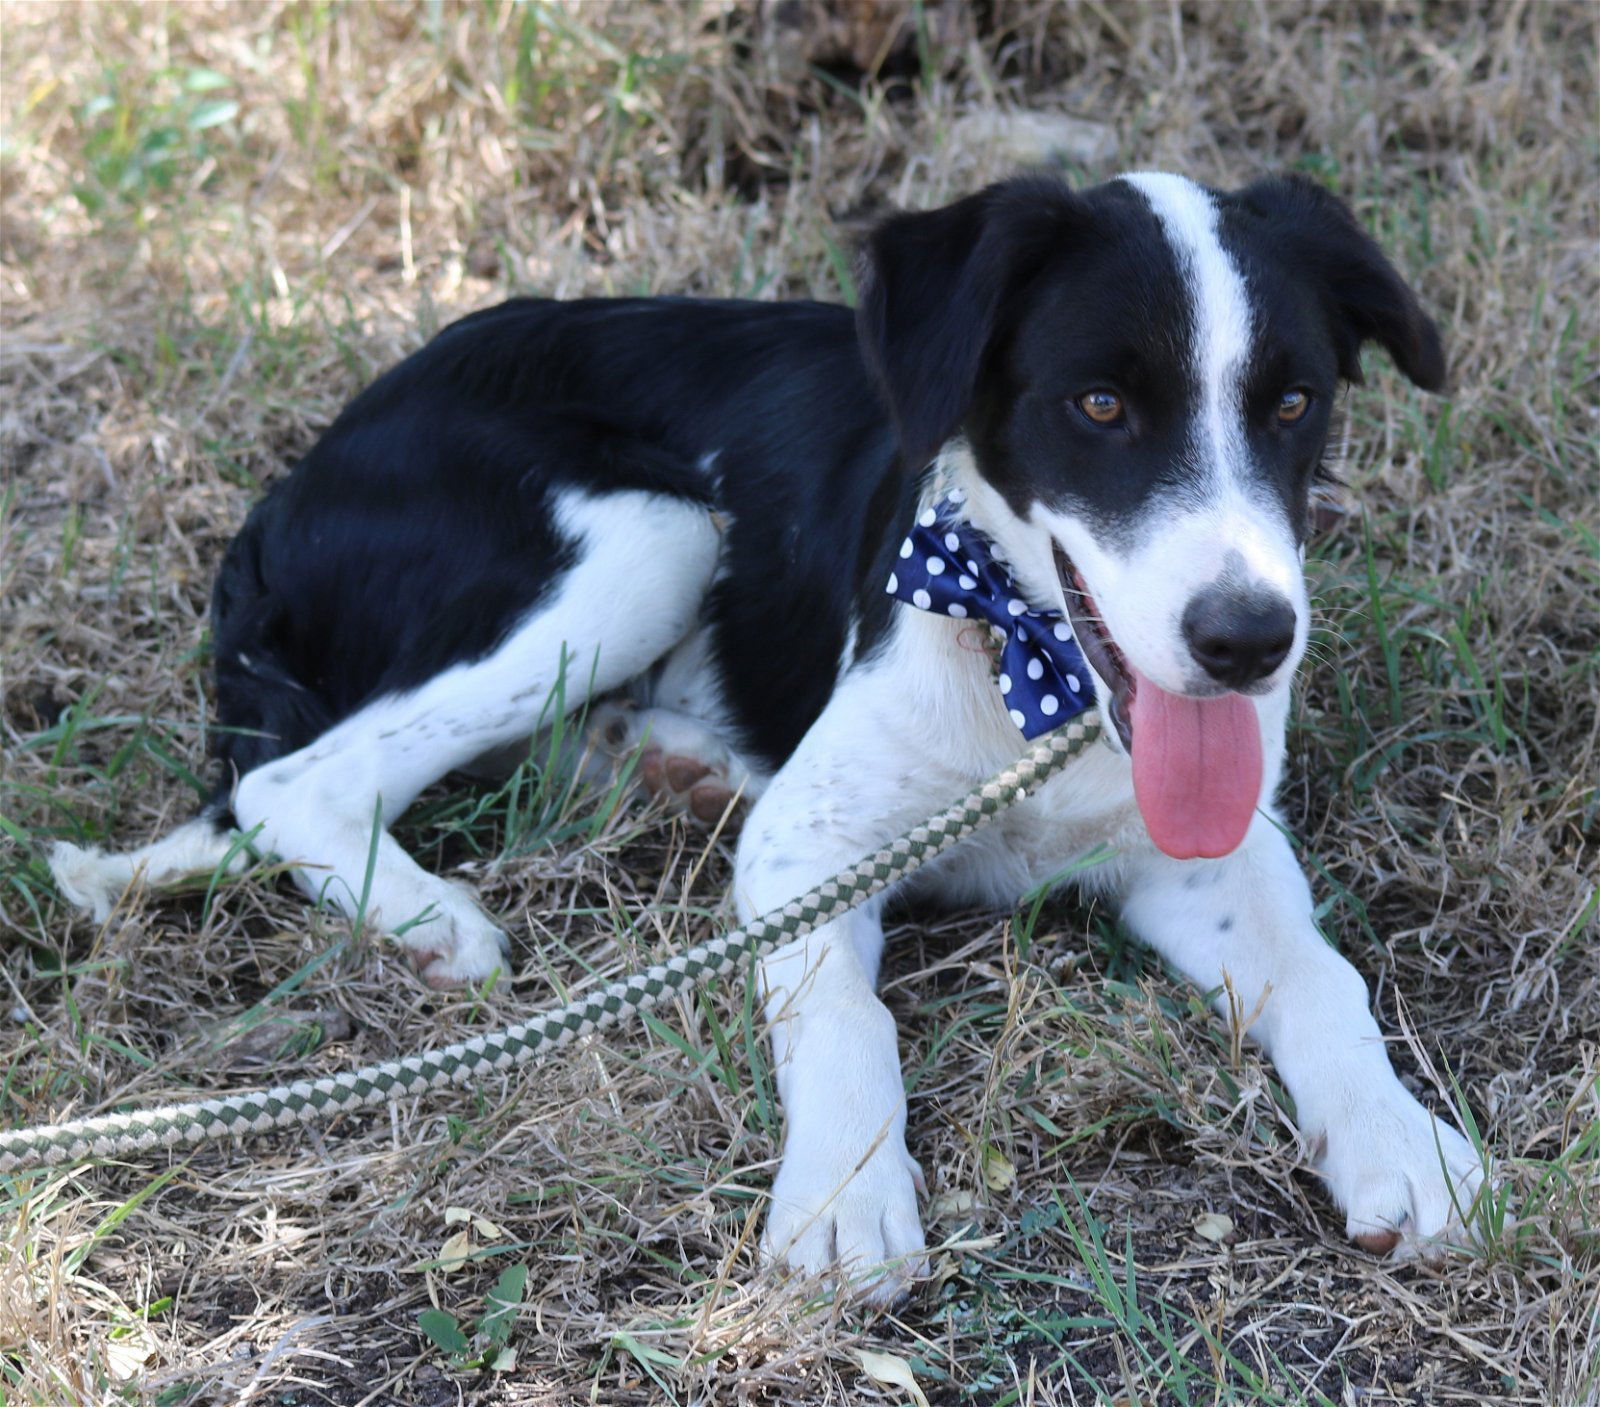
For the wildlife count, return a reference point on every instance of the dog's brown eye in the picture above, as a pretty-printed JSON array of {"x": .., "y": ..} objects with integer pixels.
[
  {"x": 1102, "y": 407},
  {"x": 1292, "y": 406}
]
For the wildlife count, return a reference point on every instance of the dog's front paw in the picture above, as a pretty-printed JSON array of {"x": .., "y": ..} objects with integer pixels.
[
  {"x": 1405, "y": 1179},
  {"x": 834, "y": 1210}
]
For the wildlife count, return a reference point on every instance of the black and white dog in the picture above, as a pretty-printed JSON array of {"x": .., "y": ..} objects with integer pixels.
[{"x": 1124, "y": 391}]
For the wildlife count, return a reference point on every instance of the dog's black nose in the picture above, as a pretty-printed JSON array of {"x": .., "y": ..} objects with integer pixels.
[{"x": 1239, "y": 637}]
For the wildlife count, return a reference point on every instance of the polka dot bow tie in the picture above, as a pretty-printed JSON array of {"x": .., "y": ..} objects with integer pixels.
[{"x": 950, "y": 568}]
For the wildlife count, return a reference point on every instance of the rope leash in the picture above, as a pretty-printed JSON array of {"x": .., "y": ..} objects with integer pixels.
[{"x": 304, "y": 1101}]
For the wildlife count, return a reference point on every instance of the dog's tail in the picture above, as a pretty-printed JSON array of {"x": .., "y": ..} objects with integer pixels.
[
  {"x": 90, "y": 878},
  {"x": 263, "y": 711}
]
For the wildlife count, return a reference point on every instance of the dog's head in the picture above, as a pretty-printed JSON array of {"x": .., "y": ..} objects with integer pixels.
[{"x": 1144, "y": 373}]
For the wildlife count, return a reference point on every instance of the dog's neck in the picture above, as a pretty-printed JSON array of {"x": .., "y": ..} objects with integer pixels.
[{"x": 1024, "y": 547}]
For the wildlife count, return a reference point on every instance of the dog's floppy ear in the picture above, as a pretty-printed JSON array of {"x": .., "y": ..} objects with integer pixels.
[
  {"x": 1368, "y": 300},
  {"x": 933, "y": 293}
]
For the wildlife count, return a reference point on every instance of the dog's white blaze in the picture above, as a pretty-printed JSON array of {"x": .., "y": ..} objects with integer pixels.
[
  {"x": 1223, "y": 527},
  {"x": 1221, "y": 311}
]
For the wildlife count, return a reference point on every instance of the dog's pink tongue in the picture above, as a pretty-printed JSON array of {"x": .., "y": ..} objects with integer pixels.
[{"x": 1196, "y": 769}]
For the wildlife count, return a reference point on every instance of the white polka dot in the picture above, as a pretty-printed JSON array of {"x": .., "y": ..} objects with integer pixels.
[
  {"x": 973, "y": 568},
  {"x": 957, "y": 610},
  {"x": 958, "y": 495},
  {"x": 921, "y": 600},
  {"x": 1015, "y": 606},
  {"x": 1018, "y": 719},
  {"x": 894, "y": 583},
  {"x": 1035, "y": 669},
  {"x": 1005, "y": 683},
  {"x": 1073, "y": 684},
  {"x": 1049, "y": 704},
  {"x": 1063, "y": 631},
  {"x": 967, "y": 583},
  {"x": 927, "y": 518},
  {"x": 935, "y": 566},
  {"x": 905, "y": 548},
  {"x": 952, "y": 542}
]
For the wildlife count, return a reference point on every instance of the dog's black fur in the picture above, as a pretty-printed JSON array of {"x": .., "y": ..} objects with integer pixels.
[{"x": 417, "y": 531}]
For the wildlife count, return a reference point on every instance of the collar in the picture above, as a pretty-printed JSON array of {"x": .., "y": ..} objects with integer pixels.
[{"x": 949, "y": 568}]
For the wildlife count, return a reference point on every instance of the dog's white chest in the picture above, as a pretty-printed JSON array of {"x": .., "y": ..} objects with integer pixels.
[{"x": 1075, "y": 827}]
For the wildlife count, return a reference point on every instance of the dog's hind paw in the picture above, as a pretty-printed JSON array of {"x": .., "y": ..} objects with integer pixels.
[
  {"x": 686, "y": 783},
  {"x": 684, "y": 763},
  {"x": 456, "y": 944}
]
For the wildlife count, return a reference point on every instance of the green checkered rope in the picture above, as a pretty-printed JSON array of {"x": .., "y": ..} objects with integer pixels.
[{"x": 304, "y": 1101}]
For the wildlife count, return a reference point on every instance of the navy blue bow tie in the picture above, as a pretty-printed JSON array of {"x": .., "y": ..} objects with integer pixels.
[{"x": 950, "y": 568}]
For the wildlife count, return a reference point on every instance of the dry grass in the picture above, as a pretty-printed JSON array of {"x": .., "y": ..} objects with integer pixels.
[{"x": 219, "y": 221}]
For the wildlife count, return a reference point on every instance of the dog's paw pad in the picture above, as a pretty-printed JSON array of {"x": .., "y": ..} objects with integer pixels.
[
  {"x": 683, "y": 772},
  {"x": 1380, "y": 1243},
  {"x": 651, "y": 775},
  {"x": 683, "y": 763},
  {"x": 461, "y": 965},
  {"x": 710, "y": 801},
  {"x": 687, "y": 784}
]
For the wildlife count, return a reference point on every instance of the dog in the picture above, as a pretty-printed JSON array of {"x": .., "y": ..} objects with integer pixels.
[{"x": 724, "y": 524}]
